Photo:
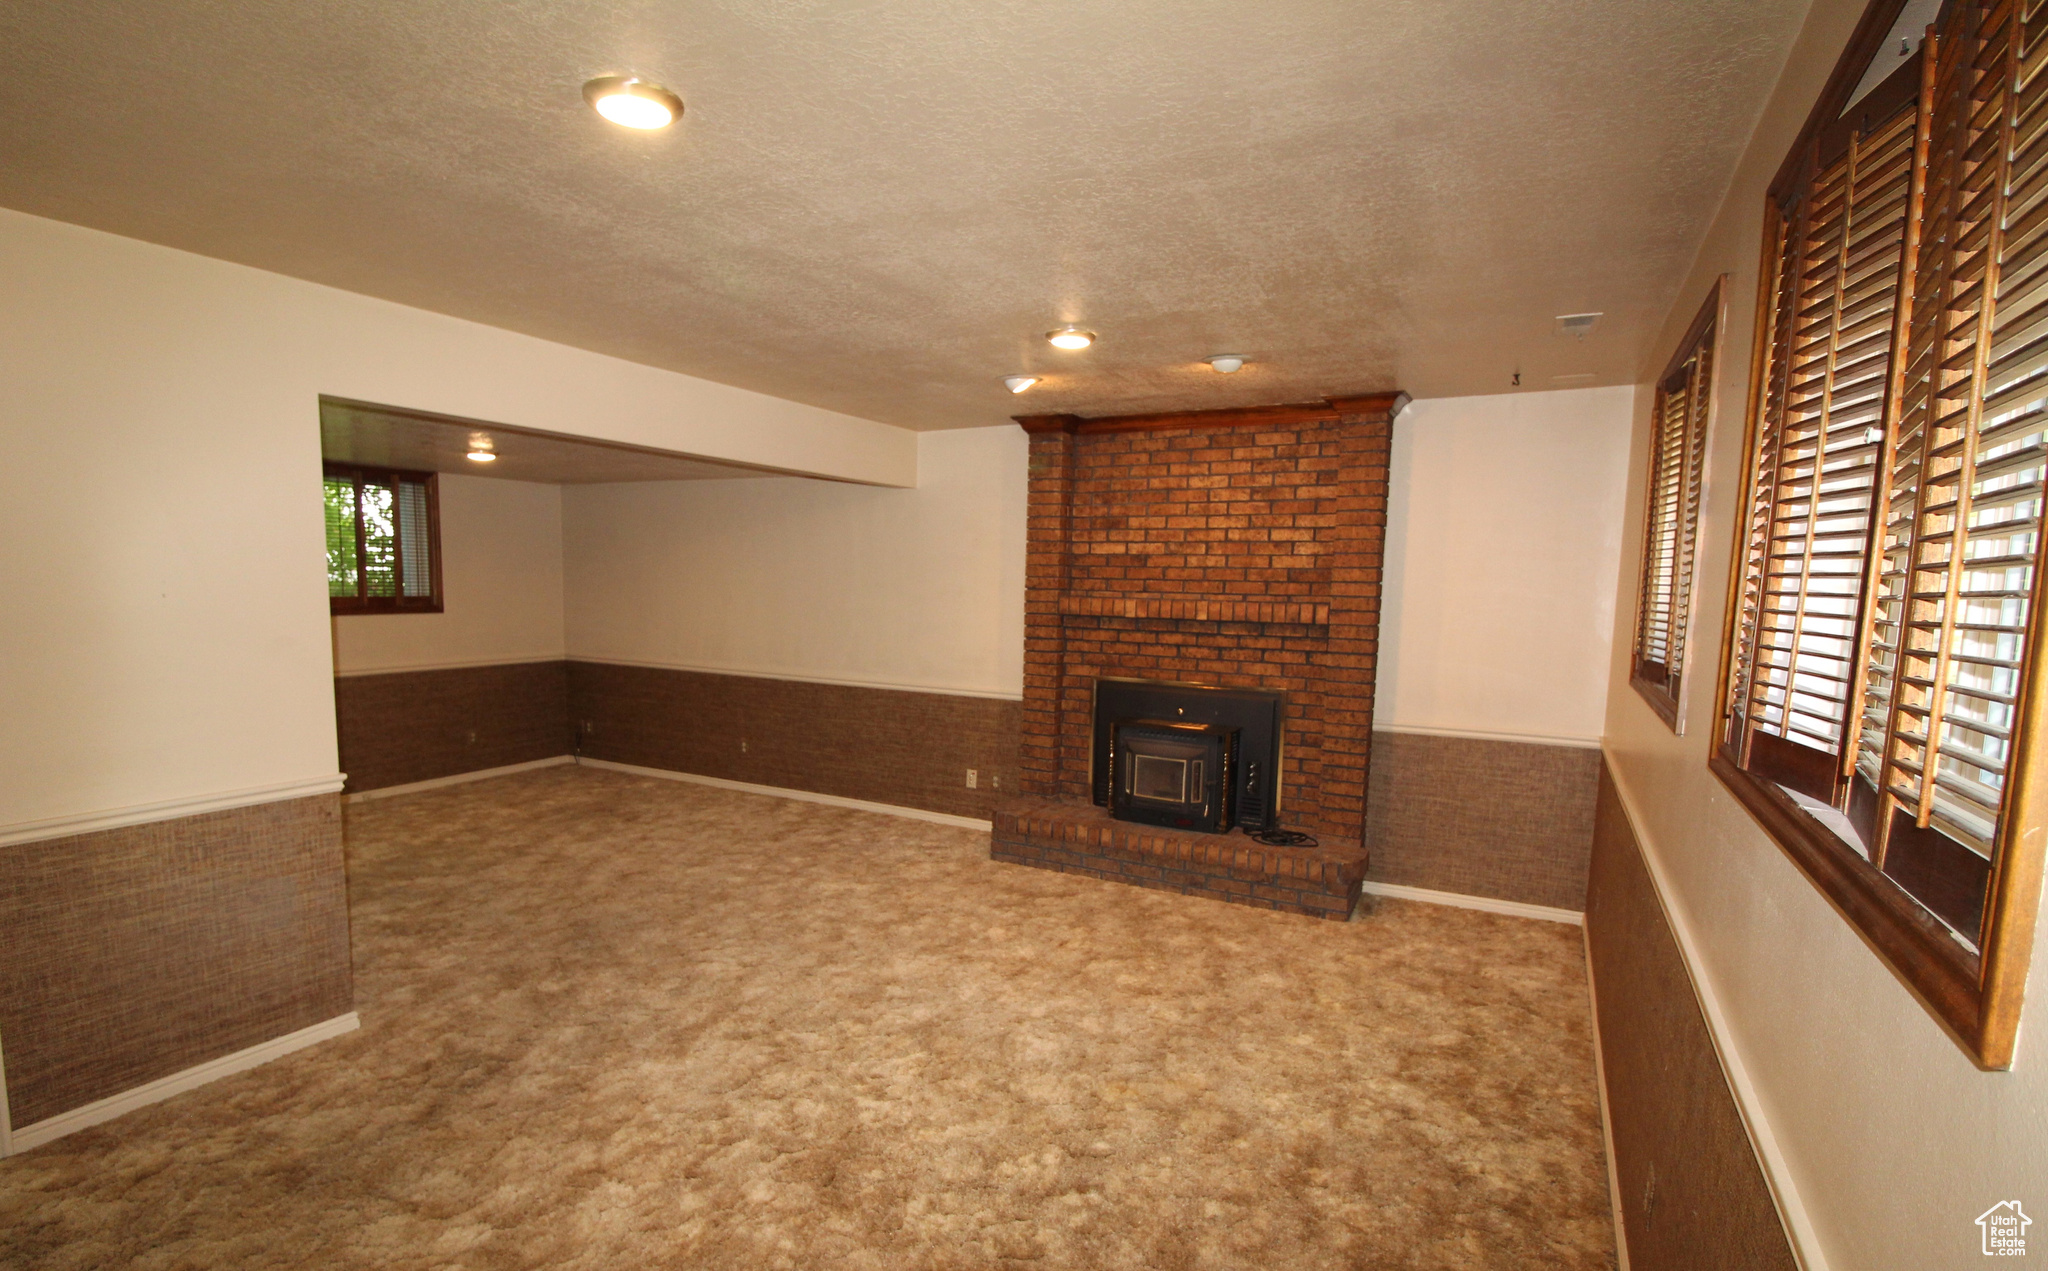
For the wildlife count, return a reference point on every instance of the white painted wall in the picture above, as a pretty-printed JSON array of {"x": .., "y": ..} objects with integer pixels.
[
  {"x": 1503, "y": 536},
  {"x": 812, "y": 580},
  {"x": 1888, "y": 1141},
  {"x": 501, "y": 585},
  {"x": 1504, "y": 529},
  {"x": 164, "y": 632}
]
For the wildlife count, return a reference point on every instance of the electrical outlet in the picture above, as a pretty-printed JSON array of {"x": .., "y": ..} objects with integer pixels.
[
  {"x": 972, "y": 777},
  {"x": 472, "y": 736},
  {"x": 995, "y": 781},
  {"x": 743, "y": 745}
]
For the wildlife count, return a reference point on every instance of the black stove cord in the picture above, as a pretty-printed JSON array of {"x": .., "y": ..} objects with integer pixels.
[{"x": 1274, "y": 836}]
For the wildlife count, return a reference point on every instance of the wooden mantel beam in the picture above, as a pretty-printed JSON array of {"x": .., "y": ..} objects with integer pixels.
[{"x": 1371, "y": 405}]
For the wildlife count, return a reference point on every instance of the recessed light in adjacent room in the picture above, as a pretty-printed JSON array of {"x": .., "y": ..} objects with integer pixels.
[
  {"x": 1070, "y": 338},
  {"x": 1018, "y": 383},
  {"x": 481, "y": 456},
  {"x": 481, "y": 449},
  {"x": 632, "y": 102},
  {"x": 1228, "y": 363}
]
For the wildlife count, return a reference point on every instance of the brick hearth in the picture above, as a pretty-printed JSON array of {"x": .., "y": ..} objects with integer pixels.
[
  {"x": 1232, "y": 548},
  {"x": 1322, "y": 882}
]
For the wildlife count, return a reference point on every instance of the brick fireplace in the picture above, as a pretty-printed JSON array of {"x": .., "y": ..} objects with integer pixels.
[{"x": 1235, "y": 548}]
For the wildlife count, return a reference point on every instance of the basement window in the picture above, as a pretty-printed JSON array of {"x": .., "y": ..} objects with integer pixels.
[
  {"x": 383, "y": 540},
  {"x": 1678, "y": 448},
  {"x": 1884, "y": 706}
]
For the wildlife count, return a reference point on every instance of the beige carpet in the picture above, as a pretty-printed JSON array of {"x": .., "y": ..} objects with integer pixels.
[{"x": 612, "y": 1022}]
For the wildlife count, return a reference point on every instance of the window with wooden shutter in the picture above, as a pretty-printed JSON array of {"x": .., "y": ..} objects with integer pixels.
[
  {"x": 383, "y": 540},
  {"x": 1838, "y": 254},
  {"x": 1883, "y": 715},
  {"x": 1678, "y": 432}
]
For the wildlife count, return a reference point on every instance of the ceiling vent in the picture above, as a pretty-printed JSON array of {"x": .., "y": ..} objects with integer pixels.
[{"x": 1577, "y": 325}]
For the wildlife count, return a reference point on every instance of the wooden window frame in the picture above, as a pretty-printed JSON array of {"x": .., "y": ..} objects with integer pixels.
[
  {"x": 1977, "y": 998},
  {"x": 361, "y": 604},
  {"x": 1691, "y": 376}
]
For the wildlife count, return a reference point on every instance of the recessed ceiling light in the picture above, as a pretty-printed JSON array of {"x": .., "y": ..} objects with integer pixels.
[
  {"x": 481, "y": 456},
  {"x": 632, "y": 102},
  {"x": 1228, "y": 363},
  {"x": 1070, "y": 338},
  {"x": 1018, "y": 383}
]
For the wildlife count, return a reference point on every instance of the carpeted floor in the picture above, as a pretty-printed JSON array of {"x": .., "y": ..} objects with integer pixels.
[{"x": 612, "y": 1022}]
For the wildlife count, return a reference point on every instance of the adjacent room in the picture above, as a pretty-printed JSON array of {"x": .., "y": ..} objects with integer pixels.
[{"x": 1182, "y": 636}]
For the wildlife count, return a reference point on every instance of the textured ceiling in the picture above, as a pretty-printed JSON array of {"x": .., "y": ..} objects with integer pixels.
[
  {"x": 880, "y": 207},
  {"x": 355, "y": 432}
]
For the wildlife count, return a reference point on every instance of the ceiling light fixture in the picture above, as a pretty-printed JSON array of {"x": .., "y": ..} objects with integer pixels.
[
  {"x": 1018, "y": 383},
  {"x": 1228, "y": 363},
  {"x": 632, "y": 102},
  {"x": 481, "y": 449},
  {"x": 1070, "y": 337},
  {"x": 481, "y": 456}
]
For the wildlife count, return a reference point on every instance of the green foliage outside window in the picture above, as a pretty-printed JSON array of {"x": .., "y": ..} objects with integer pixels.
[
  {"x": 381, "y": 540},
  {"x": 341, "y": 536}
]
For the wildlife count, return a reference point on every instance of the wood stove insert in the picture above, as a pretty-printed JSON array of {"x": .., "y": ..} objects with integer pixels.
[
  {"x": 1167, "y": 773},
  {"x": 1244, "y": 727}
]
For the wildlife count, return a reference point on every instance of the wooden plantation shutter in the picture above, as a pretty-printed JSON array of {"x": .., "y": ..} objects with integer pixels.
[
  {"x": 1897, "y": 490},
  {"x": 1951, "y": 628},
  {"x": 1678, "y": 432},
  {"x": 413, "y": 512},
  {"x": 1838, "y": 264}
]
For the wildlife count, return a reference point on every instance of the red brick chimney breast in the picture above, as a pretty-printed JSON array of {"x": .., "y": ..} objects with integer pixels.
[{"x": 1231, "y": 548}]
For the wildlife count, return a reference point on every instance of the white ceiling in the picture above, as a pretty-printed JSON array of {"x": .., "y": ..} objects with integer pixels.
[
  {"x": 357, "y": 432},
  {"x": 880, "y": 207}
]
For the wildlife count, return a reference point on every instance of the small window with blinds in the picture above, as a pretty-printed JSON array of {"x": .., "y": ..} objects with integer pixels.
[
  {"x": 1678, "y": 438},
  {"x": 383, "y": 540},
  {"x": 1883, "y": 705}
]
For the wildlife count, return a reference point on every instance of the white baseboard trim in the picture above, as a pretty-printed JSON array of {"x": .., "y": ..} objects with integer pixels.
[
  {"x": 1477, "y": 734},
  {"x": 1606, "y": 1116},
  {"x": 1485, "y": 904},
  {"x": 780, "y": 792},
  {"x": 460, "y": 778},
  {"x": 162, "y": 1088},
  {"x": 947, "y": 690},
  {"x": 164, "y": 810},
  {"x": 1777, "y": 1171}
]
